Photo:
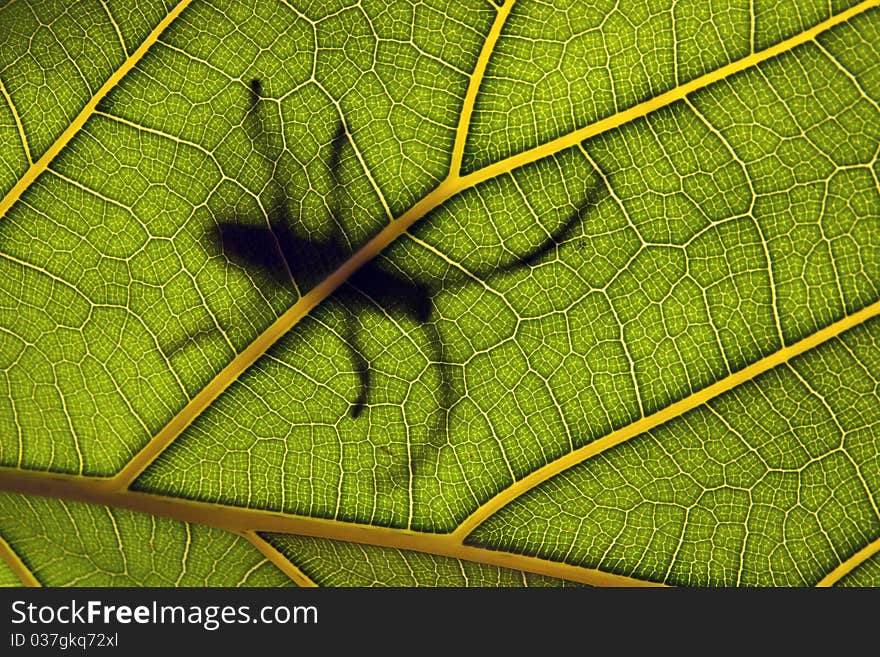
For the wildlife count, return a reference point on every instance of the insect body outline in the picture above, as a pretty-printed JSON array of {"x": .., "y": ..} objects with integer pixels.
[{"x": 280, "y": 251}]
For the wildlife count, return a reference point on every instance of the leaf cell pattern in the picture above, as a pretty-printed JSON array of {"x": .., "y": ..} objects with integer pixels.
[{"x": 650, "y": 237}]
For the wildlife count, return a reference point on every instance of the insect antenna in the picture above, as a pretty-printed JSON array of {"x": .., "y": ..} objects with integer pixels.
[
  {"x": 334, "y": 164},
  {"x": 556, "y": 238}
]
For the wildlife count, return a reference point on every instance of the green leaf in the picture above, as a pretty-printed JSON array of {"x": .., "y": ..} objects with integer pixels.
[
  {"x": 439, "y": 293},
  {"x": 69, "y": 544},
  {"x": 337, "y": 563},
  {"x": 867, "y": 574},
  {"x": 8, "y": 577},
  {"x": 772, "y": 483}
]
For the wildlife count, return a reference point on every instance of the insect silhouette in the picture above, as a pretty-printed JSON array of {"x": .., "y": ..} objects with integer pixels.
[{"x": 279, "y": 249}]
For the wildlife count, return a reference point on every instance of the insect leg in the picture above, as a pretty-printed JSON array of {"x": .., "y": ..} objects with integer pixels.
[
  {"x": 447, "y": 393},
  {"x": 361, "y": 367}
]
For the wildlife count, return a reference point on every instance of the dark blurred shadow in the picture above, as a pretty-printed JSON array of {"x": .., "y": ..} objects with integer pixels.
[{"x": 274, "y": 246}]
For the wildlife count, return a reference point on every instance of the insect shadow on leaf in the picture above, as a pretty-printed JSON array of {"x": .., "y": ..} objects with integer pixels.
[{"x": 279, "y": 249}]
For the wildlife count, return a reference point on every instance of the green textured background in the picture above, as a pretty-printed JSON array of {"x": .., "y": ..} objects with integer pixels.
[{"x": 721, "y": 228}]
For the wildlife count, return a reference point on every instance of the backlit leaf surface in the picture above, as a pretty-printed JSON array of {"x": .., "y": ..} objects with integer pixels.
[{"x": 628, "y": 261}]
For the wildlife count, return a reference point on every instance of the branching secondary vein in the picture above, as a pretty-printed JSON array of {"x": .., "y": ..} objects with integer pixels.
[
  {"x": 115, "y": 492},
  {"x": 247, "y": 522},
  {"x": 451, "y": 186},
  {"x": 16, "y": 565},
  {"x": 42, "y": 164}
]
